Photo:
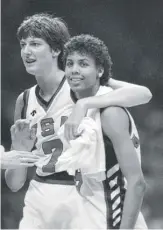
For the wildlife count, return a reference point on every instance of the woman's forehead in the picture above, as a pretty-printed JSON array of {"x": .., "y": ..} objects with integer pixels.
[
  {"x": 79, "y": 54},
  {"x": 32, "y": 38}
]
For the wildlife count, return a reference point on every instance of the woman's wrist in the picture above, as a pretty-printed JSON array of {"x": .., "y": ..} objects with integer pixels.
[{"x": 84, "y": 104}]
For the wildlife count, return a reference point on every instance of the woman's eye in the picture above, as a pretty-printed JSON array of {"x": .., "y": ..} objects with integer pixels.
[
  {"x": 69, "y": 64},
  {"x": 35, "y": 44},
  {"x": 83, "y": 64},
  {"x": 22, "y": 45}
]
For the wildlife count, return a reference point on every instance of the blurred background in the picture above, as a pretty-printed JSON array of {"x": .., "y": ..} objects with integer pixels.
[{"x": 133, "y": 32}]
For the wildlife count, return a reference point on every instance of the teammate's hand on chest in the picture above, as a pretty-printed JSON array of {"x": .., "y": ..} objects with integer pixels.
[{"x": 23, "y": 137}]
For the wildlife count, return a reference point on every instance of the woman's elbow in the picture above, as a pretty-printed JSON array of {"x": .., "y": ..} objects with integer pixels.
[
  {"x": 14, "y": 187},
  {"x": 139, "y": 185},
  {"x": 147, "y": 94},
  {"x": 12, "y": 184}
]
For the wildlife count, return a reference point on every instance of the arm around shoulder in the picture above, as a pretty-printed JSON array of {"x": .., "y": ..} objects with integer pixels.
[{"x": 132, "y": 94}]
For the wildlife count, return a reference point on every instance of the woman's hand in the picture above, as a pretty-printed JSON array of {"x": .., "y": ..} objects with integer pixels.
[
  {"x": 17, "y": 159},
  {"x": 23, "y": 137},
  {"x": 71, "y": 125}
]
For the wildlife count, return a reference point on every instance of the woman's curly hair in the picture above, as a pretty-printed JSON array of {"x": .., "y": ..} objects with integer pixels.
[{"x": 90, "y": 45}]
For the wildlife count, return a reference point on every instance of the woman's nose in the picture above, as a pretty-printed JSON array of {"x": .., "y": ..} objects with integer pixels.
[
  {"x": 26, "y": 49},
  {"x": 75, "y": 69}
]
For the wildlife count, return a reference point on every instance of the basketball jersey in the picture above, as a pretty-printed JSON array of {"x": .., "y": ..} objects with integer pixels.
[
  {"x": 106, "y": 199},
  {"x": 108, "y": 196},
  {"x": 47, "y": 120}
]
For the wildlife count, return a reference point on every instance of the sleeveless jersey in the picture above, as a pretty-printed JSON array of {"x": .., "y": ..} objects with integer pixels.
[
  {"x": 47, "y": 121},
  {"x": 107, "y": 197}
]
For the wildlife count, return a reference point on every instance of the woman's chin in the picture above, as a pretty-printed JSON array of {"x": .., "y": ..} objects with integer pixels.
[{"x": 31, "y": 71}]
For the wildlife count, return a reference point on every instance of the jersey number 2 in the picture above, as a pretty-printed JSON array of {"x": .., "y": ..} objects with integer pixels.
[{"x": 47, "y": 126}]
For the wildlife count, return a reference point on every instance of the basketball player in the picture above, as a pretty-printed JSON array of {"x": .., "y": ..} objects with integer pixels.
[
  {"x": 14, "y": 159},
  {"x": 115, "y": 202},
  {"x": 42, "y": 38}
]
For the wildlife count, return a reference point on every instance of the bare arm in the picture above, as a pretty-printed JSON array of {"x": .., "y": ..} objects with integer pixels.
[
  {"x": 115, "y": 125},
  {"x": 116, "y": 84},
  {"x": 124, "y": 94},
  {"x": 15, "y": 178},
  {"x": 17, "y": 159}
]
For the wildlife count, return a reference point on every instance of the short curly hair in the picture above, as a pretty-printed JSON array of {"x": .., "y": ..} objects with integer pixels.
[
  {"x": 52, "y": 29},
  {"x": 93, "y": 46}
]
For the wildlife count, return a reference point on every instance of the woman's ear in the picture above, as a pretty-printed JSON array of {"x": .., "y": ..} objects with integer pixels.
[
  {"x": 55, "y": 53},
  {"x": 100, "y": 72}
]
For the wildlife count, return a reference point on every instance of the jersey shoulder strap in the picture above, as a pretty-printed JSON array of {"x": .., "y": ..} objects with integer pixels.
[{"x": 25, "y": 101}]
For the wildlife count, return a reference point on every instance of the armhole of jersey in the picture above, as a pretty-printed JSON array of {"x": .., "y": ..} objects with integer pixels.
[
  {"x": 25, "y": 101},
  {"x": 130, "y": 122}
]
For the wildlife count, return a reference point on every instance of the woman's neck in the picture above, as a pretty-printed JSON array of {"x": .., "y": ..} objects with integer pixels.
[
  {"x": 88, "y": 92},
  {"x": 49, "y": 84}
]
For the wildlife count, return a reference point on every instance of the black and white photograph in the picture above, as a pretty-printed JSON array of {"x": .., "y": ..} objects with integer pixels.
[{"x": 81, "y": 114}]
